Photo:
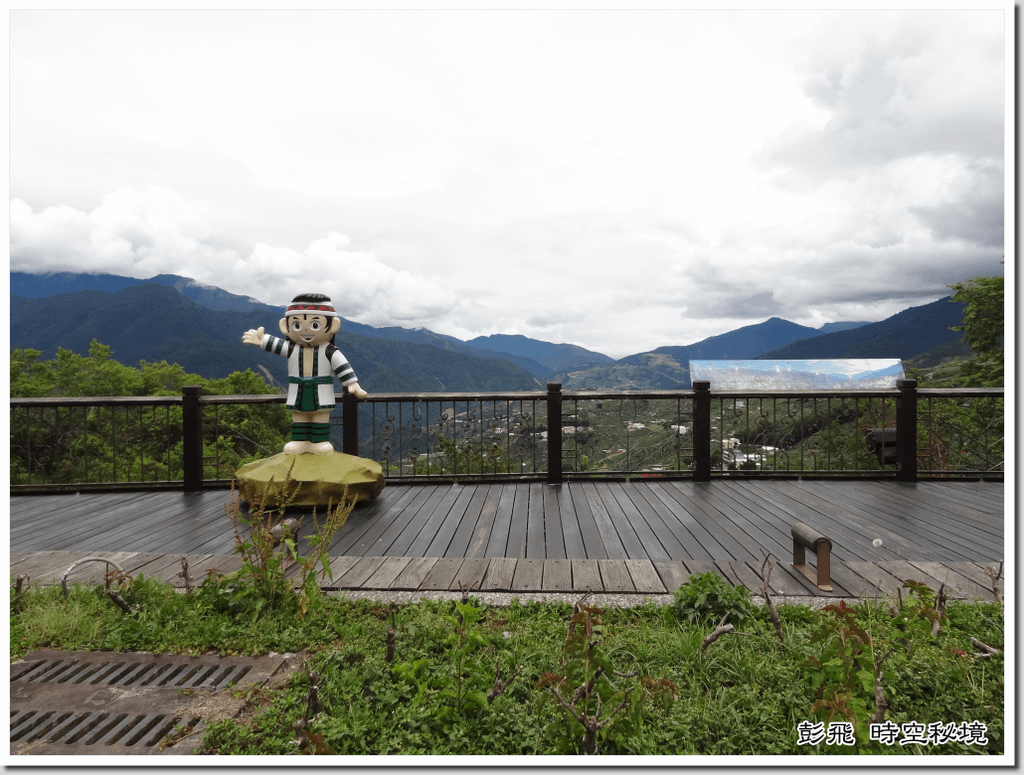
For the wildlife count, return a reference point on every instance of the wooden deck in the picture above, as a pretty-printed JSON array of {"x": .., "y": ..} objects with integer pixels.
[{"x": 643, "y": 537}]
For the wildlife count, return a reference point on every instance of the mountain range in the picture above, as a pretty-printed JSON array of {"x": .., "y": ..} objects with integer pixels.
[
  {"x": 177, "y": 319},
  {"x": 155, "y": 322}
]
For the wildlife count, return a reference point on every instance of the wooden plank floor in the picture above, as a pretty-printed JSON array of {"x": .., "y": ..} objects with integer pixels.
[{"x": 630, "y": 537}]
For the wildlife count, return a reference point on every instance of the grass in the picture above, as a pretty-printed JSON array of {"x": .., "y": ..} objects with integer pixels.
[{"x": 742, "y": 694}]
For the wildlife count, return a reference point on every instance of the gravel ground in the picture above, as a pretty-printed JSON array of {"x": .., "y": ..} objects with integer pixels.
[{"x": 602, "y": 600}]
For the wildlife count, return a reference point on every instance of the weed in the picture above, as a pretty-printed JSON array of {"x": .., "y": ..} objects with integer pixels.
[
  {"x": 708, "y": 599},
  {"x": 743, "y": 696},
  {"x": 918, "y": 617},
  {"x": 844, "y": 670},
  {"x": 586, "y": 694},
  {"x": 268, "y": 547},
  {"x": 47, "y": 620},
  {"x": 471, "y": 678}
]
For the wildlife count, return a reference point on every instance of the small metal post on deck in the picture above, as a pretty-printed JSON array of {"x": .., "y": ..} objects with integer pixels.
[
  {"x": 807, "y": 537},
  {"x": 906, "y": 431},
  {"x": 350, "y": 425},
  {"x": 192, "y": 437},
  {"x": 702, "y": 430},
  {"x": 554, "y": 433}
]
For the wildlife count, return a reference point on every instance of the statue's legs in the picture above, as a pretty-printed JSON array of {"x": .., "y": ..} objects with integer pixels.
[{"x": 311, "y": 432}]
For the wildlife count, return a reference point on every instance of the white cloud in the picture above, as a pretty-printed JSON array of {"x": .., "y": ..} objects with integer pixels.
[
  {"x": 131, "y": 233},
  {"x": 142, "y": 234},
  {"x": 617, "y": 179}
]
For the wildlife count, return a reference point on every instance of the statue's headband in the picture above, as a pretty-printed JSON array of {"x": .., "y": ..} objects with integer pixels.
[{"x": 307, "y": 308}]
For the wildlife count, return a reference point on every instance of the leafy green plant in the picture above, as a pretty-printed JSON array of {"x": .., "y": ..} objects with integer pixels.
[
  {"x": 470, "y": 676},
  {"x": 917, "y": 616},
  {"x": 585, "y": 693},
  {"x": 315, "y": 567},
  {"x": 468, "y": 680},
  {"x": 983, "y": 327},
  {"x": 708, "y": 599},
  {"x": 842, "y": 670},
  {"x": 745, "y": 696},
  {"x": 268, "y": 547}
]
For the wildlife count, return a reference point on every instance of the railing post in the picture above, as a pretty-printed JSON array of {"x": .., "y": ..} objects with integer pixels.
[
  {"x": 350, "y": 425},
  {"x": 554, "y": 433},
  {"x": 702, "y": 430},
  {"x": 906, "y": 431},
  {"x": 192, "y": 438}
]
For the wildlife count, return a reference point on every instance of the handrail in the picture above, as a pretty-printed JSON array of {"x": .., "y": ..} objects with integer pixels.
[{"x": 564, "y": 404}]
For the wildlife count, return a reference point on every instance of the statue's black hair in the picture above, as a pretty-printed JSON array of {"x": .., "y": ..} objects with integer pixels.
[{"x": 312, "y": 298}]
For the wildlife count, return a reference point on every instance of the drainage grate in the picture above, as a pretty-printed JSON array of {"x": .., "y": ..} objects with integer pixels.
[
  {"x": 93, "y": 729},
  {"x": 105, "y": 703}
]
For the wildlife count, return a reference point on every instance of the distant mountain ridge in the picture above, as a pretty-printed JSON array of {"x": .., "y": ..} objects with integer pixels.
[
  {"x": 34, "y": 286},
  {"x": 555, "y": 357},
  {"x": 418, "y": 359},
  {"x": 668, "y": 368},
  {"x": 157, "y": 323},
  {"x": 830, "y": 328},
  {"x": 903, "y": 335},
  {"x": 745, "y": 342},
  {"x": 40, "y": 286}
]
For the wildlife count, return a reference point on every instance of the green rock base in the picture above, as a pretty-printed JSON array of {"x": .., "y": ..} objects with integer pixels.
[{"x": 309, "y": 480}]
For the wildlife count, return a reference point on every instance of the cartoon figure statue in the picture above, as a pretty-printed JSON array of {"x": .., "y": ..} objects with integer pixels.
[{"x": 310, "y": 323}]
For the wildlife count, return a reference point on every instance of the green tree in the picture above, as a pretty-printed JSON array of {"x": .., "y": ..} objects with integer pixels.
[
  {"x": 30, "y": 377},
  {"x": 130, "y": 443},
  {"x": 983, "y": 330}
]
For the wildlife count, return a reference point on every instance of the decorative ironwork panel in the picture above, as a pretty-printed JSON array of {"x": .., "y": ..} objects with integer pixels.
[
  {"x": 235, "y": 434},
  {"x": 95, "y": 444},
  {"x": 962, "y": 434},
  {"x": 470, "y": 437},
  {"x": 797, "y": 433},
  {"x": 613, "y": 434}
]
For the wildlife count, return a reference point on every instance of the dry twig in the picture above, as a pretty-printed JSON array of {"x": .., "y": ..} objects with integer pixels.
[
  {"x": 881, "y": 703},
  {"x": 184, "y": 574},
  {"x": 996, "y": 576},
  {"x": 989, "y": 650},
  {"x": 116, "y": 598},
  {"x": 940, "y": 609},
  {"x": 591, "y": 724},
  {"x": 720, "y": 630},
  {"x": 772, "y": 610},
  {"x": 501, "y": 685},
  {"x": 389, "y": 655}
]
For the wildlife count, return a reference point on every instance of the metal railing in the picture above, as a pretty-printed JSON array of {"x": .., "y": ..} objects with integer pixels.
[
  {"x": 799, "y": 432},
  {"x": 628, "y": 434},
  {"x": 960, "y": 431},
  {"x": 455, "y": 435},
  {"x": 194, "y": 441}
]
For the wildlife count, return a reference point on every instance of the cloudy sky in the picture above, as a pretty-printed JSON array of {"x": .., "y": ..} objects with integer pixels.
[{"x": 616, "y": 179}]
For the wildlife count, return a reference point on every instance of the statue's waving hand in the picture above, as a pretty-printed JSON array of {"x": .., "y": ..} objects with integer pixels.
[{"x": 253, "y": 336}]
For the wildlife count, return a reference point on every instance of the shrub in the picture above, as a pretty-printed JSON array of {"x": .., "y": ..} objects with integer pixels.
[{"x": 707, "y": 598}]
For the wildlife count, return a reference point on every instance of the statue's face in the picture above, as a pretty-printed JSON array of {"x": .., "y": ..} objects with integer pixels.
[{"x": 309, "y": 330}]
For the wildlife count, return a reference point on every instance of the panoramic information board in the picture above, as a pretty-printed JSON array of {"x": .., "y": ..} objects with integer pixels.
[{"x": 832, "y": 374}]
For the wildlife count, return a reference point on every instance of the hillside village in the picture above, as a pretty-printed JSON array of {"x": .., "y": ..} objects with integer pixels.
[{"x": 607, "y": 435}]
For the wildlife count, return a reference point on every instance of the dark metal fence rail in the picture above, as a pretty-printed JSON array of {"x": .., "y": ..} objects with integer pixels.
[{"x": 77, "y": 443}]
